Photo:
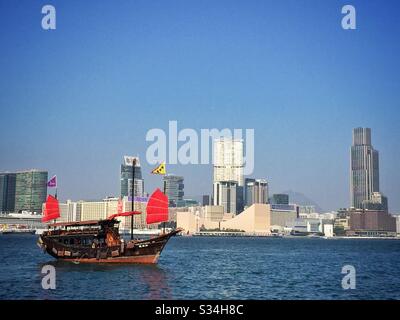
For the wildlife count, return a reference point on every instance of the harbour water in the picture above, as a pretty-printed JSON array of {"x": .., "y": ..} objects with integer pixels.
[{"x": 213, "y": 268}]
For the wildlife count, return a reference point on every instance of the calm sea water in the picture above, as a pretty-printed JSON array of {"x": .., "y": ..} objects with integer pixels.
[{"x": 213, "y": 268}]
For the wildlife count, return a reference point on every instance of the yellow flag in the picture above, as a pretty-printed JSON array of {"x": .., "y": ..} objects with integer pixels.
[{"x": 160, "y": 169}]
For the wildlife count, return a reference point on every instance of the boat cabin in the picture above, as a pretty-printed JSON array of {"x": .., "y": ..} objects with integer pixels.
[{"x": 94, "y": 234}]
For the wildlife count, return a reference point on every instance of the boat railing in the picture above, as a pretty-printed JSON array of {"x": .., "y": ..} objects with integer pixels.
[{"x": 72, "y": 232}]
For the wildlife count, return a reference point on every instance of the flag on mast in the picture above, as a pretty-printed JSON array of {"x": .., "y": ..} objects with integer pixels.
[
  {"x": 160, "y": 169},
  {"x": 52, "y": 183}
]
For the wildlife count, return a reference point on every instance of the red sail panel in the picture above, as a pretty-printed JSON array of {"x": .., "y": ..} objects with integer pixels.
[
  {"x": 51, "y": 209},
  {"x": 123, "y": 214},
  {"x": 157, "y": 207}
]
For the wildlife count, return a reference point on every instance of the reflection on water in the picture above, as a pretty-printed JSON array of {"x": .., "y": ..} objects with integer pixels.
[
  {"x": 151, "y": 279},
  {"x": 155, "y": 279}
]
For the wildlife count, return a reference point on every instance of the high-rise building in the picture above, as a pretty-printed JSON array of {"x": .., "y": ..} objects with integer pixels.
[
  {"x": 228, "y": 160},
  {"x": 3, "y": 192},
  {"x": 225, "y": 194},
  {"x": 364, "y": 167},
  {"x": 30, "y": 190},
  {"x": 228, "y": 174},
  {"x": 7, "y": 192},
  {"x": 256, "y": 191},
  {"x": 279, "y": 198},
  {"x": 174, "y": 189},
  {"x": 126, "y": 178},
  {"x": 239, "y": 199}
]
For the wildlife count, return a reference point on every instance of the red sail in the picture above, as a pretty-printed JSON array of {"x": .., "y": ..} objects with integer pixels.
[
  {"x": 51, "y": 209},
  {"x": 157, "y": 207}
]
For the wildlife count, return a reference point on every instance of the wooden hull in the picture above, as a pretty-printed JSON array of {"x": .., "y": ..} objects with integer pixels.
[
  {"x": 140, "y": 251},
  {"x": 140, "y": 259}
]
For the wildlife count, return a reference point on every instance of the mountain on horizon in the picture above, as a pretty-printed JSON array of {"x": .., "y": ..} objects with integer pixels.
[{"x": 301, "y": 199}]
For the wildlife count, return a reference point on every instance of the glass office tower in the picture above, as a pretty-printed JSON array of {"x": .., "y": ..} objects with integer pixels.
[
  {"x": 364, "y": 171},
  {"x": 126, "y": 178},
  {"x": 7, "y": 192},
  {"x": 174, "y": 188},
  {"x": 30, "y": 190}
]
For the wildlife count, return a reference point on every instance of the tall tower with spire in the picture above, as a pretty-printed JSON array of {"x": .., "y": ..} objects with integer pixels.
[{"x": 364, "y": 168}]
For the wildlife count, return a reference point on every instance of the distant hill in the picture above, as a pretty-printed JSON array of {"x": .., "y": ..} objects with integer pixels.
[{"x": 301, "y": 199}]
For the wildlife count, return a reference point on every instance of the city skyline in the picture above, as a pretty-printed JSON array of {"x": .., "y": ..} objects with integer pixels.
[
  {"x": 364, "y": 178},
  {"x": 303, "y": 87}
]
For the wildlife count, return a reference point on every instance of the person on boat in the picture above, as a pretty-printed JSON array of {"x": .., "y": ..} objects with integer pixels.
[{"x": 95, "y": 243}]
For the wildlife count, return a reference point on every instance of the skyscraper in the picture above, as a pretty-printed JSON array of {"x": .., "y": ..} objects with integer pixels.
[
  {"x": 3, "y": 192},
  {"x": 228, "y": 160},
  {"x": 30, "y": 190},
  {"x": 174, "y": 188},
  {"x": 126, "y": 178},
  {"x": 256, "y": 191},
  {"x": 364, "y": 168},
  {"x": 228, "y": 174},
  {"x": 225, "y": 194},
  {"x": 7, "y": 192}
]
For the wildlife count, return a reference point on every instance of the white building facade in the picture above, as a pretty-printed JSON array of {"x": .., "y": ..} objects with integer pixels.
[{"x": 228, "y": 160}]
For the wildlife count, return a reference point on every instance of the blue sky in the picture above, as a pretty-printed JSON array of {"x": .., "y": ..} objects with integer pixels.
[{"x": 76, "y": 99}]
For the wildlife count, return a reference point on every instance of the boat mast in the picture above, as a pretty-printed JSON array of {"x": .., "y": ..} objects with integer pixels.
[
  {"x": 31, "y": 200},
  {"x": 133, "y": 194},
  {"x": 165, "y": 192}
]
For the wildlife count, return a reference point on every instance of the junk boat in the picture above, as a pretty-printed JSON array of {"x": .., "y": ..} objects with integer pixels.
[{"x": 99, "y": 241}]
